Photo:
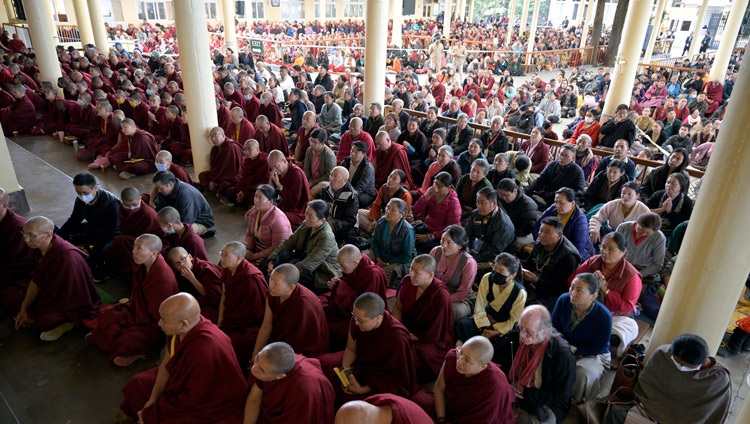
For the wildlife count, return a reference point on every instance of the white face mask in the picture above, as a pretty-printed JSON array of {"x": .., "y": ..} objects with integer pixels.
[
  {"x": 684, "y": 368},
  {"x": 168, "y": 230},
  {"x": 589, "y": 119},
  {"x": 87, "y": 198},
  {"x": 161, "y": 166}
]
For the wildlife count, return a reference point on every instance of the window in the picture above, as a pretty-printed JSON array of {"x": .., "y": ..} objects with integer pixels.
[
  {"x": 59, "y": 12},
  {"x": 330, "y": 9},
  {"x": 293, "y": 9},
  {"x": 211, "y": 9},
  {"x": 354, "y": 9},
  {"x": 258, "y": 9},
  {"x": 155, "y": 10}
]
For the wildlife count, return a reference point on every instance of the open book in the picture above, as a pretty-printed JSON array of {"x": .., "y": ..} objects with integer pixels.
[{"x": 344, "y": 375}]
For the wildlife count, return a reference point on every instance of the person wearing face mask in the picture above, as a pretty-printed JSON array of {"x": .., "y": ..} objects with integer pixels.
[
  {"x": 82, "y": 118},
  {"x": 178, "y": 233},
  {"x": 136, "y": 217},
  {"x": 20, "y": 115},
  {"x": 589, "y": 126},
  {"x": 94, "y": 220},
  {"x": 680, "y": 380},
  {"x": 617, "y": 128}
]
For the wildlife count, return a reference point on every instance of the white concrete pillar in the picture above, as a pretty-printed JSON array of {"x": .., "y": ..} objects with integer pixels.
[
  {"x": 744, "y": 415},
  {"x": 532, "y": 28},
  {"x": 524, "y": 17},
  {"x": 713, "y": 263},
  {"x": 398, "y": 20},
  {"x": 470, "y": 18},
  {"x": 585, "y": 32},
  {"x": 8, "y": 179},
  {"x": 230, "y": 30},
  {"x": 447, "y": 19},
  {"x": 511, "y": 18},
  {"x": 81, "y": 9},
  {"x": 101, "y": 38},
  {"x": 628, "y": 56},
  {"x": 728, "y": 38},
  {"x": 655, "y": 30},
  {"x": 695, "y": 44},
  {"x": 42, "y": 30},
  {"x": 197, "y": 78},
  {"x": 376, "y": 39}
]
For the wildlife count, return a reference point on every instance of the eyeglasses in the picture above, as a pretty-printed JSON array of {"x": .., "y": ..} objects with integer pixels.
[
  {"x": 608, "y": 249},
  {"x": 361, "y": 321},
  {"x": 528, "y": 333},
  {"x": 30, "y": 235}
]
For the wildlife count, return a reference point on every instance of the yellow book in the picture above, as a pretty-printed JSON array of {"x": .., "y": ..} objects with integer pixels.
[{"x": 344, "y": 375}]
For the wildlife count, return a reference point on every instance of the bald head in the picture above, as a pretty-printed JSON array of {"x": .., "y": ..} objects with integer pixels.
[
  {"x": 236, "y": 248},
  {"x": 40, "y": 224},
  {"x": 181, "y": 306},
  {"x": 4, "y": 198},
  {"x": 361, "y": 412},
  {"x": 168, "y": 215},
  {"x": 349, "y": 252},
  {"x": 164, "y": 157},
  {"x": 280, "y": 356},
  {"x": 151, "y": 242},
  {"x": 176, "y": 253},
  {"x": 130, "y": 194},
  {"x": 276, "y": 156},
  {"x": 481, "y": 347},
  {"x": 288, "y": 272},
  {"x": 370, "y": 304}
]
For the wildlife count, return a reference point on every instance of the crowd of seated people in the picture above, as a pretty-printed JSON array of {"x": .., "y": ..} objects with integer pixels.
[{"x": 509, "y": 250}]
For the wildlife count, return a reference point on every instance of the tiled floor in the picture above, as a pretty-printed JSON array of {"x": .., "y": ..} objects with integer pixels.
[{"x": 70, "y": 381}]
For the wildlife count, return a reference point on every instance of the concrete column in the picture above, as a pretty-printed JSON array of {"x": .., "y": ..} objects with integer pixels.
[
  {"x": 398, "y": 20},
  {"x": 461, "y": 10},
  {"x": 376, "y": 39},
  {"x": 728, "y": 38},
  {"x": 524, "y": 17},
  {"x": 197, "y": 78},
  {"x": 695, "y": 44},
  {"x": 532, "y": 28},
  {"x": 81, "y": 9},
  {"x": 8, "y": 179},
  {"x": 705, "y": 285},
  {"x": 230, "y": 30},
  {"x": 655, "y": 31},
  {"x": 511, "y": 18},
  {"x": 44, "y": 39},
  {"x": 470, "y": 18},
  {"x": 309, "y": 11},
  {"x": 101, "y": 39},
  {"x": 447, "y": 19},
  {"x": 587, "y": 22},
  {"x": 744, "y": 415},
  {"x": 628, "y": 56}
]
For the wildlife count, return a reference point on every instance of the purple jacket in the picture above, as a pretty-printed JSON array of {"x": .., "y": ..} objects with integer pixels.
[
  {"x": 440, "y": 215},
  {"x": 577, "y": 231}
]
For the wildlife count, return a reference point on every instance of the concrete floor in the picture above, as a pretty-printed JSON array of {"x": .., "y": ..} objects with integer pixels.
[{"x": 69, "y": 381}]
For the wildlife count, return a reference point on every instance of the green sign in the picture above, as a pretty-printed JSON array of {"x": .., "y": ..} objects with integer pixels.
[{"x": 256, "y": 47}]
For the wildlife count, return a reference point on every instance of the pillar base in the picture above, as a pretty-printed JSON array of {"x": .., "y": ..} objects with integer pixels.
[{"x": 18, "y": 202}]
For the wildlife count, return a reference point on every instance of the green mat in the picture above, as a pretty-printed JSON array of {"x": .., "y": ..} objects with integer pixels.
[{"x": 107, "y": 299}]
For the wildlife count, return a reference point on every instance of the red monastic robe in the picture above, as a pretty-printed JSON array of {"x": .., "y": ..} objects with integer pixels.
[
  {"x": 252, "y": 108},
  {"x": 189, "y": 241},
  {"x": 20, "y": 116},
  {"x": 272, "y": 112},
  {"x": 241, "y": 134},
  {"x": 300, "y": 322},
  {"x": 404, "y": 411},
  {"x": 295, "y": 196},
  {"x": 209, "y": 275},
  {"x": 275, "y": 140},
  {"x": 16, "y": 262},
  {"x": 386, "y": 161},
  {"x": 205, "y": 382},
  {"x": 303, "y": 143},
  {"x": 254, "y": 173},
  {"x": 345, "y": 145},
  {"x": 715, "y": 93},
  {"x": 225, "y": 164},
  {"x": 131, "y": 328},
  {"x": 119, "y": 255},
  {"x": 140, "y": 145}
]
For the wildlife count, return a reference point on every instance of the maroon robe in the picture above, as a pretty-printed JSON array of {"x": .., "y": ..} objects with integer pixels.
[
  {"x": 236, "y": 98},
  {"x": 245, "y": 132},
  {"x": 304, "y": 395},
  {"x": 386, "y": 162},
  {"x": 139, "y": 114},
  {"x": 404, "y": 410},
  {"x": 20, "y": 116},
  {"x": 715, "y": 93},
  {"x": 15, "y": 45},
  {"x": 303, "y": 143},
  {"x": 66, "y": 288},
  {"x": 272, "y": 112},
  {"x": 119, "y": 255},
  {"x": 275, "y": 140},
  {"x": 295, "y": 196},
  {"x": 179, "y": 142},
  {"x": 100, "y": 141},
  {"x": 189, "y": 241},
  {"x": 345, "y": 145},
  {"x": 462, "y": 405},
  {"x": 131, "y": 328},
  {"x": 180, "y": 173},
  {"x": 430, "y": 318},
  {"x": 16, "y": 262},
  {"x": 300, "y": 322},
  {"x": 83, "y": 120},
  {"x": 244, "y": 299},
  {"x": 53, "y": 119},
  {"x": 140, "y": 145},
  {"x": 224, "y": 117},
  {"x": 209, "y": 275},
  {"x": 338, "y": 304},
  {"x": 254, "y": 173},
  {"x": 385, "y": 361},
  {"x": 205, "y": 383},
  {"x": 252, "y": 108},
  {"x": 225, "y": 165}
]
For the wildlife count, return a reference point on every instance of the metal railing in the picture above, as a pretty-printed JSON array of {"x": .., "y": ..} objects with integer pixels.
[{"x": 68, "y": 34}]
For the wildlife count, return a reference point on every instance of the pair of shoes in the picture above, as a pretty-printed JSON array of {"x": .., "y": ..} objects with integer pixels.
[
  {"x": 121, "y": 418},
  {"x": 126, "y": 361},
  {"x": 56, "y": 333},
  {"x": 208, "y": 234},
  {"x": 125, "y": 175},
  {"x": 224, "y": 200}
]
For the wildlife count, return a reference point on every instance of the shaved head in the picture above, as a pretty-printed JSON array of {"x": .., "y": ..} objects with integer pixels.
[
  {"x": 481, "y": 347},
  {"x": 237, "y": 248},
  {"x": 169, "y": 215},
  {"x": 288, "y": 272},
  {"x": 164, "y": 156},
  {"x": 275, "y": 155},
  {"x": 181, "y": 306},
  {"x": 151, "y": 241},
  {"x": 130, "y": 194},
  {"x": 176, "y": 252},
  {"x": 41, "y": 224},
  {"x": 360, "y": 412},
  {"x": 371, "y": 304},
  {"x": 349, "y": 252},
  {"x": 280, "y": 356}
]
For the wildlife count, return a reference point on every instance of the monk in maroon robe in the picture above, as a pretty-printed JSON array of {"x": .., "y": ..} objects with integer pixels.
[
  {"x": 361, "y": 275},
  {"x": 16, "y": 45},
  {"x": 309, "y": 123},
  {"x": 288, "y": 388},
  {"x": 714, "y": 96},
  {"x": 270, "y": 110},
  {"x": 202, "y": 279},
  {"x": 459, "y": 383},
  {"x": 54, "y": 117},
  {"x": 19, "y": 116},
  {"x": 202, "y": 380},
  {"x": 378, "y": 408},
  {"x": 102, "y": 136},
  {"x": 138, "y": 158},
  {"x": 140, "y": 111},
  {"x": 225, "y": 164},
  {"x": 244, "y": 292},
  {"x": 293, "y": 315},
  {"x": 290, "y": 180},
  {"x": 379, "y": 352},
  {"x": 61, "y": 293},
  {"x": 178, "y": 233},
  {"x": 177, "y": 139},
  {"x": 390, "y": 156},
  {"x": 223, "y": 114},
  {"x": 252, "y": 107},
  {"x": 231, "y": 94},
  {"x": 240, "y": 129},
  {"x": 136, "y": 218},
  {"x": 128, "y": 331},
  {"x": 83, "y": 118},
  {"x": 16, "y": 258},
  {"x": 355, "y": 133},
  {"x": 423, "y": 305},
  {"x": 254, "y": 173},
  {"x": 270, "y": 136}
]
